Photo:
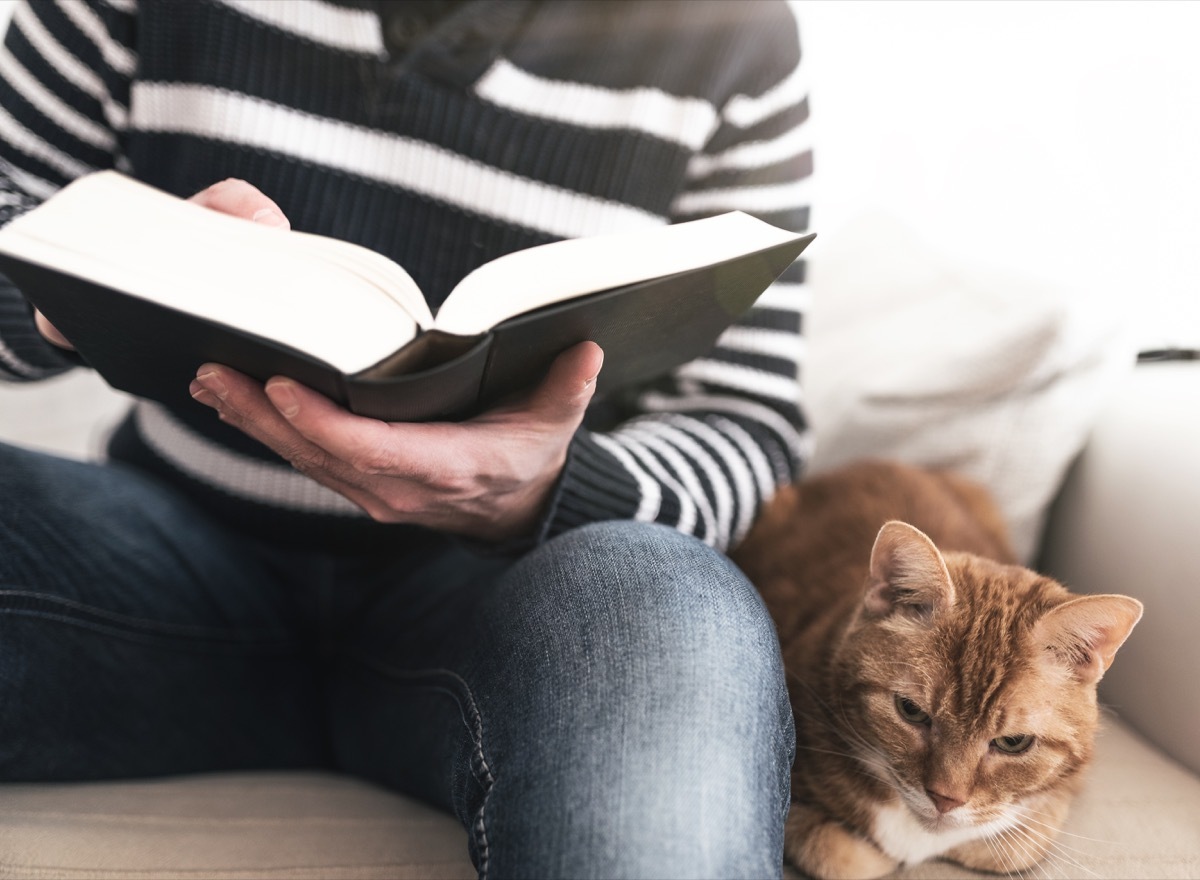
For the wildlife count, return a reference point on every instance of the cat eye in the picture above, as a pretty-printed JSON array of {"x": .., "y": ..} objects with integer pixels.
[
  {"x": 1013, "y": 745},
  {"x": 910, "y": 711}
]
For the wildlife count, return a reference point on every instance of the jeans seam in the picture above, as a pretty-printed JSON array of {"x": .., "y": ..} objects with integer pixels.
[
  {"x": 135, "y": 630},
  {"x": 460, "y": 691}
]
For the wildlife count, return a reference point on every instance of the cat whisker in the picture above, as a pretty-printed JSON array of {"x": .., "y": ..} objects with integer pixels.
[
  {"x": 861, "y": 741},
  {"x": 1027, "y": 849},
  {"x": 857, "y": 765},
  {"x": 826, "y": 751},
  {"x": 1025, "y": 823},
  {"x": 826, "y": 720},
  {"x": 1000, "y": 856},
  {"x": 1059, "y": 851},
  {"x": 845, "y": 730},
  {"x": 997, "y": 855},
  {"x": 1030, "y": 813}
]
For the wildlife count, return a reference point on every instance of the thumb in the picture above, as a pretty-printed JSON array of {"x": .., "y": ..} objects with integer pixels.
[
  {"x": 241, "y": 199},
  {"x": 569, "y": 385}
]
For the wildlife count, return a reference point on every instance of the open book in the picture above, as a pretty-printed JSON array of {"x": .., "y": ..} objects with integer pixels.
[{"x": 148, "y": 286}]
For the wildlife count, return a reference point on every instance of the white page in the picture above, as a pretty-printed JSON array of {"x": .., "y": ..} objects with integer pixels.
[
  {"x": 129, "y": 236},
  {"x": 539, "y": 276}
]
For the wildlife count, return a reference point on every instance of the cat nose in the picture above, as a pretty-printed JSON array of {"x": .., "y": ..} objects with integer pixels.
[{"x": 944, "y": 803}]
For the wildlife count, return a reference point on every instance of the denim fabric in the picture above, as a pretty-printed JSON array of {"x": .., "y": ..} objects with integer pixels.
[{"x": 611, "y": 705}]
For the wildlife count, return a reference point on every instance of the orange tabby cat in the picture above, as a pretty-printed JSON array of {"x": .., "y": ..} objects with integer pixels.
[{"x": 945, "y": 699}]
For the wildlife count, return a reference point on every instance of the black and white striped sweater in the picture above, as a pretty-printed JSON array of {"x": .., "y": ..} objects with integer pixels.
[{"x": 444, "y": 135}]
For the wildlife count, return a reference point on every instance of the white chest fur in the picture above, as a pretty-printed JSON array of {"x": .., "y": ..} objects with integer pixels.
[{"x": 903, "y": 837}]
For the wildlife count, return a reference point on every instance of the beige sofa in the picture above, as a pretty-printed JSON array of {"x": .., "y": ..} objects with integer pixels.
[{"x": 990, "y": 375}]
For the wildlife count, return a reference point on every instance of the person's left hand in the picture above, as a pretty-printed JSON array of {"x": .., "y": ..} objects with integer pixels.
[{"x": 488, "y": 478}]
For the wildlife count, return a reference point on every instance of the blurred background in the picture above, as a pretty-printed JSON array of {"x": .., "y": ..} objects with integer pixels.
[
  {"x": 1053, "y": 139},
  {"x": 1053, "y": 143}
]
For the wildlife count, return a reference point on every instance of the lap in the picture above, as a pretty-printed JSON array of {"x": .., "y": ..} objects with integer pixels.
[
  {"x": 137, "y": 637},
  {"x": 598, "y": 707},
  {"x": 108, "y": 536}
]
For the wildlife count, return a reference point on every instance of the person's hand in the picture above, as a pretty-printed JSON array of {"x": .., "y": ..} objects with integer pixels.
[
  {"x": 230, "y": 196},
  {"x": 49, "y": 332},
  {"x": 488, "y": 478}
]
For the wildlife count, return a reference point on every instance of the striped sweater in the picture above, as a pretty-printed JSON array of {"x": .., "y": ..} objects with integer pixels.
[{"x": 444, "y": 134}]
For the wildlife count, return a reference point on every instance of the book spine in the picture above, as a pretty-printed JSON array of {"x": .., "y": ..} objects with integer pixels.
[{"x": 446, "y": 392}]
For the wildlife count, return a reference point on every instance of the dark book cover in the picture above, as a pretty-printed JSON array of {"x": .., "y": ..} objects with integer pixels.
[{"x": 645, "y": 329}]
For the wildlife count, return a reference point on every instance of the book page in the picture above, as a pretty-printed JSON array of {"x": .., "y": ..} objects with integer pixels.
[
  {"x": 388, "y": 276},
  {"x": 526, "y": 280},
  {"x": 316, "y": 294}
]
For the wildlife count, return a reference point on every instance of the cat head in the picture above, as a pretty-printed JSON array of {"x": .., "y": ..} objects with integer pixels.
[{"x": 973, "y": 684}]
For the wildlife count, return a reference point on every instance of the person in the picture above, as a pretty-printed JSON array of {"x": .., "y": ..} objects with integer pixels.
[{"x": 525, "y": 618}]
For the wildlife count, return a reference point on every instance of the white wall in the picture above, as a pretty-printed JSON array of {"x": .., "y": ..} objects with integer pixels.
[{"x": 1056, "y": 139}]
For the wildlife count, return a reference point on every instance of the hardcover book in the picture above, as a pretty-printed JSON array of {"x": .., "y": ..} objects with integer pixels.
[{"x": 148, "y": 286}]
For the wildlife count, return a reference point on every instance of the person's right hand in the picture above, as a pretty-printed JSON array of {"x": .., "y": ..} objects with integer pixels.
[{"x": 231, "y": 196}]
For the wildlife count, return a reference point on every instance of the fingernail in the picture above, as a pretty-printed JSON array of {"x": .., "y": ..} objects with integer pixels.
[
  {"x": 269, "y": 217},
  {"x": 283, "y": 397},
  {"x": 590, "y": 382},
  {"x": 211, "y": 381},
  {"x": 200, "y": 394}
]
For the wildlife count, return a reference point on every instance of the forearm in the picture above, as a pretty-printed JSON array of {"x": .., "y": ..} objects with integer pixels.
[{"x": 702, "y": 456}]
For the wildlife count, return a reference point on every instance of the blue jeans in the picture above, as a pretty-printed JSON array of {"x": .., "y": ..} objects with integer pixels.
[{"x": 611, "y": 705}]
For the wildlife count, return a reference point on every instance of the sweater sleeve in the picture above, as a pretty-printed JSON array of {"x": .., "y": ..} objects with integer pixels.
[
  {"x": 702, "y": 449},
  {"x": 65, "y": 70}
]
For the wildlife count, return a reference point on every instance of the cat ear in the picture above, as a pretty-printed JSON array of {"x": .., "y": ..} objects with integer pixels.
[
  {"x": 908, "y": 574},
  {"x": 1085, "y": 633}
]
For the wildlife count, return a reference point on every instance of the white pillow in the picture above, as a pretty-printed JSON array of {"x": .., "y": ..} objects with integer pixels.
[{"x": 917, "y": 357}]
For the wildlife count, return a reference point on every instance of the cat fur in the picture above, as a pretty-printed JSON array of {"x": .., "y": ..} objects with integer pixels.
[{"x": 890, "y": 583}]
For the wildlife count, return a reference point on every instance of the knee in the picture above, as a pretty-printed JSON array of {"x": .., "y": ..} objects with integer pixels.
[
  {"x": 648, "y": 596},
  {"x": 624, "y": 628},
  {"x": 651, "y": 702}
]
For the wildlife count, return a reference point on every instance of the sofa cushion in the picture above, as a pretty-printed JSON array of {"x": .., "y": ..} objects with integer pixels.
[
  {"x": 940, "y": 362},
  {"x": 1136, "y": 818},
  {"x": 248, "y": 826}
]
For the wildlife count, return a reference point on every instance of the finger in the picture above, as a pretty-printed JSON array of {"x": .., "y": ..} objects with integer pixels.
[
  {"x": 368, "y": 446},
  {"x": 242, "y": 402},
  {"x": 241, "y": 199},
  {"x": 50, "y": 332},
  {"x": 564, "y": 395}
]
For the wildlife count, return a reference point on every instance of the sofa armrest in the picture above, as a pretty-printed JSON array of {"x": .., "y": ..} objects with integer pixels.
[{"x": 1128, "y": 521}]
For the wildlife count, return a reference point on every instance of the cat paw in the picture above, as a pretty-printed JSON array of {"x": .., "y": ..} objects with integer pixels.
[
  {"x": 828, "y": 850},
  {"x": 1005, "y": 854}
]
